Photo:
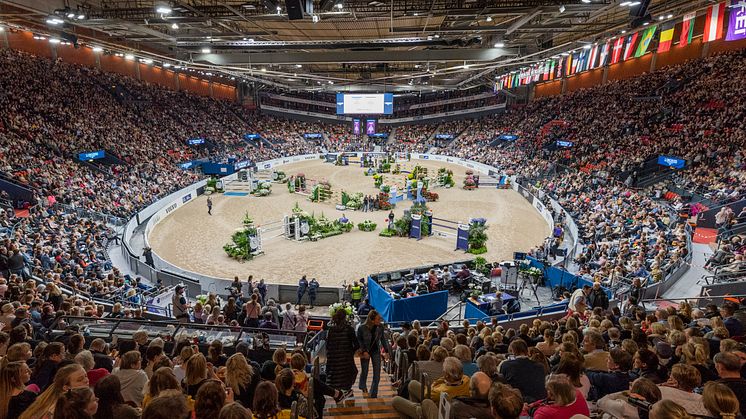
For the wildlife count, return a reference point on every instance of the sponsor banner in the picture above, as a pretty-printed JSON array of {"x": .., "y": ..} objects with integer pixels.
[{"x": 91, "y": 155}]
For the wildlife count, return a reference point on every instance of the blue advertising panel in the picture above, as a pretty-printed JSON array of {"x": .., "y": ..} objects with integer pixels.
[
  {"x": 340, "y": 103},
  {"x": 91, "y": 155},
  {"x": 370, "y": 126},
  {"x": 380, "y": 135},
  {"x": 443, "y": 136},
  {"x": 313, "y": 135},
  {"x": 251, "y": 136},
  {"x": 507, "y": 137},
  {"x": 561, "y": 143},
  {"x": 242, "y": 164},
  {"x": 356, "y": 126},
  {"x": 196, "y": 141},
  {"x": 388, "y": 103},
  {"x": 673, "y": 162}
]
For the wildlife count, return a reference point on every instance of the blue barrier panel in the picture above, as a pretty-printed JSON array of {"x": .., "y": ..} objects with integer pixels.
[
  {"x": 380, "y": 300},
  {"x": 218, "y": 169},
  {"x": 415, "y": 231},
  {"x": 472, "y": 312},
  {"x": 422, "y": 307},
  {"x": 559, "y": 277}
]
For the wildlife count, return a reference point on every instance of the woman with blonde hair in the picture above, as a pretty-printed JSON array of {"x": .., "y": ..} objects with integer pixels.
[
  {"x": 667, "y": 409},
  {"x": 14, "y": 398},
  {"x": 196, "y": 374},
  {"x": 697, "y": 354},
  {"x": 241, "y": 377},
  {"x": 721, "y": 401},
  {"x": 67, "y": 377},
  {"x": 548, "y": 346}
]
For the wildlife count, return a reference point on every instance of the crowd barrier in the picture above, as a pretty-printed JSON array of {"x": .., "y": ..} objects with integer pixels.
[{"x": 426, "y": 306}]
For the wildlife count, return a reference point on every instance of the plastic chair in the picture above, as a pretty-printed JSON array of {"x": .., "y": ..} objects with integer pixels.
[{"x": 444, "y": 407}]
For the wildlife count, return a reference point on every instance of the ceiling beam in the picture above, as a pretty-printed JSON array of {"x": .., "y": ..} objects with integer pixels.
[
  {"x": 422, "y": 56},
  {"x": 522, "y": 21}
]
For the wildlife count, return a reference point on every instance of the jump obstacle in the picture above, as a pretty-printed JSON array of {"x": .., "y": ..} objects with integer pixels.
[
  {"x": 501, "y": 182},
  {"x": 448, "y": 228},
  {"x": 291, "y": 227}
]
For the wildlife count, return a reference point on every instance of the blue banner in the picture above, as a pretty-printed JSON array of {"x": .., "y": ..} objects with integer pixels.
[
  {"x": 443, "y": 136},
  {"x": 507, "y": 137},
  {"x": 91, "y": 155},
  {"x": 415, "y": 231},
  {"x": 462, "y": 238},
  {"x": 196, "y": 141},
  {"x": 313, "y": 135},
  {"x": 379, "y": 135},
  {"x": 388, "y": 103},
  {"x": 242, "y": 164},
  {"x": 251, "y": 136},
  {"x": 670, "y": 161},
  {"x": 561, "y": 143}
]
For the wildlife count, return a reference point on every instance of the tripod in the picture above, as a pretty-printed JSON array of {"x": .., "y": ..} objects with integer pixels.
[{"x": 528, "y": 283}]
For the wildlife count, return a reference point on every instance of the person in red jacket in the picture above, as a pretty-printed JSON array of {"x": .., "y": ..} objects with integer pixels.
[{"x": 563, "y": 400}]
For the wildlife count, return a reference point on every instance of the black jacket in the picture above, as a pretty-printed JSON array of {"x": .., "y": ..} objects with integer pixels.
[
  {"x": 101, "y": 360},
  {"x": 341, "y": 345}
]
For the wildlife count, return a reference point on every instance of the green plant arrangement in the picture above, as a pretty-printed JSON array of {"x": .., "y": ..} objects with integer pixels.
[
  {"x": 352, "y": 201},
  {"x": 387, "y": 233},
  {"x": 477, "y": 237},
  {"x": 344, "y": 306},
  {"x": 240, "y": 246},
  {"x": 445, "y": 178},
  {"x": 321, "y": 227},
  {"x": 396, "y": 169},
  {"x": 385, "y": 167},
  {"x": 321, "y": 192},
  {"x": 279, "y": 176},
  {"x": 367, "y": 225},
  {"x": 481, "y": 265},
  {"x": 263, "y": 189},
  {"x": 378, "y": 180}
]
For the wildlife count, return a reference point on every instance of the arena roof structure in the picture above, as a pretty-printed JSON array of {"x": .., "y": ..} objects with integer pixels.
[{"x": 391, "y": 45}]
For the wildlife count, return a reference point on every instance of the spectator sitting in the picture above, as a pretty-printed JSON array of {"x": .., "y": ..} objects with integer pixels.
[
  {"x": 617, "y": 379},
  {"x": 453, "y": 382},
  {"x": 567, "y": 401},
  {"x": 728, "y": 366},
  {"x": 680, "y": 389},
  {"x": 522, "y": 373}
]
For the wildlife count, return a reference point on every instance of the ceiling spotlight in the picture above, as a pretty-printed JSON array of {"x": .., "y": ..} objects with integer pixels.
[
  {"x": 315, "y": 18},
  {"x": 562, "y": 8},
  {"x": 669, "y": 16},
  {"x": 97, "y": 49},
  {"x": 54, "y": 41},
  {"x": 339, "y": 6},
  {"x": 586, "y": 1},
  {"x": 148, "y": 61},
  {"x": 264, "y": 69},
  {"x": 645, "y": 23},
  {"x": 205, "y": 50},
  {"x": 624, "y": 31},
  {"x": 587, "y": 46},
  {"x": 166, "y": 65},
  {"x": 436, "y": 36},
  {"x": 54, "y": 21},
  {"x": 625, "y": 3},
  {"x": 331, "y": 82},
  {"x": 163, "y": 9},
  {"x": 565, "y": 54},
  {"x": 71, "y": 15},
  {"x": 1, "y": 29},
  {"x": 129, "y": 57},
  {"x": 174, "y": 26},
  {"x": 429, "y": 37},
  {"x": 661, "y": 17},
  {"x": 499, "y": 44},
  {"x": 298, "y": 66},
  {"x": 81, "y": 16},
  {"x": 488, "y": 19}
]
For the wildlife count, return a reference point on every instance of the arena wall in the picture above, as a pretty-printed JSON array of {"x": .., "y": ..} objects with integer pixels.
[{"x": 84, "y": 55}]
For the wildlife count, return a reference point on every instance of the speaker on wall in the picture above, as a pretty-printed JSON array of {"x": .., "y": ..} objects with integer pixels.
[{"x": 294, "y": 9}]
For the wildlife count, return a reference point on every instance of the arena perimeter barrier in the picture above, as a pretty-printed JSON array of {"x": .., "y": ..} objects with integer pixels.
[
  {"x": 426, "y": 306},
  {"x": 197, "y": 283}
]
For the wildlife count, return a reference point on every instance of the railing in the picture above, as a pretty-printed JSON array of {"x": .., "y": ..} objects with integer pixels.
[
  {"x": 92, "y": 215},
  {"x": 726, "y": 273}
]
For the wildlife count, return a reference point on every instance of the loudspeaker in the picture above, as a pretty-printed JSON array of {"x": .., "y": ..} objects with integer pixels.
[{"x": 294, "y": 9}]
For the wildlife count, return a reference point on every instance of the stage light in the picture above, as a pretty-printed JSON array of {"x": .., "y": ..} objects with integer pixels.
[
  {"x": 585, "y": 1},
  {"x": 499, "y": 44},
  {"x": 71, "y": 15},
  {"x": 624, "y": 31},
  {"x": 562, "y": 8},
  {"x": 488, "y": 19},
  {"x": 669, "y": 16},
  {"x": 587, "y": 46},
  {"x": 174, "y": 26},
  {"x": 166, "y": 65},
  {"x": 97, "y": 49},
  {"x": 625, "y": 3},
  {"x": 298, "y": 66},
  {"x": 661, "y": 17},
  {"x": 163, "y": 9},
  {"x": 148, "y": 61},
  {"x": 129, "y": 57},
  {"x": 54, "y": 21},
  {"x": 264, "y": 70},
  {"x": 54, "y": 41},
  {"x": 205, "y": 50},
  {"x": 339, "y": 6}
]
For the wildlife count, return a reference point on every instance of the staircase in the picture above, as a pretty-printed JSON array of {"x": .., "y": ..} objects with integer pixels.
[
  {"x": 392, "y": 136},
  {"x": 359, "y": 406}
]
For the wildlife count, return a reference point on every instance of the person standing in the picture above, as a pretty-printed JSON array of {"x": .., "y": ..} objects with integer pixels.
[
  {"x": 262, "y": 287},
  {"x": 302, "y": 286},
  {"x": 209, "y": 205},
  {"x": 357, "y": 294},
  {"x": 341, "y": 345},
  {"x": 365, "y": 204},
  {"x": 372, "y": 341},
  {"x": 391, "y": 220},
  {"x": 313, "y": 287},
  {"x": 179, "y": 304}
]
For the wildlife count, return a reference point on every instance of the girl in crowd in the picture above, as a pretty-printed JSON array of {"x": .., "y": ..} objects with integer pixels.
[
  {"x": 242, "y": 379},
  {"x": 68, "y": 377},
  {"x": 210, "y": 399},
  {"x": 14, "y": 398},
  {"x": 76, "y": 403},
  {"x": 110, "y": 401}
]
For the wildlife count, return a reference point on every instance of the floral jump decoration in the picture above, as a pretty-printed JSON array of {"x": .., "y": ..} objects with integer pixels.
[{"x": 244, "y": 242}]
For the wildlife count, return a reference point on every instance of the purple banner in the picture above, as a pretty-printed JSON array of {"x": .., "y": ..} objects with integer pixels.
[
  {"x": 356, "y": 127},
  {"x": 737, "y": 21},
  {"x": 370, "y": 126}
]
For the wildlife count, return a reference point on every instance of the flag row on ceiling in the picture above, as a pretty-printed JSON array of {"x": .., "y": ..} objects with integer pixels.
[{"x": 631, "y": 46}]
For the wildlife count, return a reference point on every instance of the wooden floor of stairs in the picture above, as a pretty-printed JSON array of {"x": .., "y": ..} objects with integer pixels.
[{"x": 359, "y": 405}]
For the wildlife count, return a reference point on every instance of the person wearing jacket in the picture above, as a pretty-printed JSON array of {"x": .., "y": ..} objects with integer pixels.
[
  {"x": 371, "y": 339},
  {"x": 302, "y": 287},
  {"x": 341, "y": 346},
  {"x": 132, "y": 377},
  {"x": 313, "y": 287},
  {"x": 475, "y": 406}
]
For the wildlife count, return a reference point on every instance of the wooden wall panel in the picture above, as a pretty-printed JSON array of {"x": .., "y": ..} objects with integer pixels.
[
  {"x": 114, "y": 64},
  {"x": 585, "y": 80},
  {"x": 24, "y": 41},
  {"x": 157, "y": 75},
  {"x": 721, "y": 45},
  {"x": 678, "y": 55},
  {"x": 551, "y": 88},
  {"x": 82, "y": 55},
  {"x": 630, "y": 68}
]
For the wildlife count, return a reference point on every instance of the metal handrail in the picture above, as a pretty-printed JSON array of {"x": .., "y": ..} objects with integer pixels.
[{"x": 651, "y": 300}]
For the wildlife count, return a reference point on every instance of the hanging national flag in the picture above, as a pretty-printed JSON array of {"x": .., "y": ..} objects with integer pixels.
[
  {"x": 616, "y": 53},
  {"x": 568, "y": 65},
  {"x": 604, "y": 55},
  {"x": 737, "y": 21},
  {"x": 539, "y": 69},
  {"x": 714, "y": 22},
  {"x": 666, "y": 39},
  {"x": 545, "y": 73},
  {"x": 582, "y": 60},
  {"x": 631, "y": 40},
  {"x": 594, "y": 56},
  {"x": 647, "y": 36},
  {"x": 687, "y": 29}
]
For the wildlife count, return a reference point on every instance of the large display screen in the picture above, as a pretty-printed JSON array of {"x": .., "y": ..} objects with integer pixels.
[
  {"x": 356, "y": 126},
  {"x": 370, "y": 126},
  {"x": 365, "y": 103},
  {"x": 91, "y": 155},
  {"x": 671, "y": 161}
]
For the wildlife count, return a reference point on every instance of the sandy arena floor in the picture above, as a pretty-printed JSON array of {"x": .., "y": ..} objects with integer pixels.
[{"x": 193, "y": 240}]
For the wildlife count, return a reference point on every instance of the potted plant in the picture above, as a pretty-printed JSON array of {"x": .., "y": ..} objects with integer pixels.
[{"x": 367, "y": 225}]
